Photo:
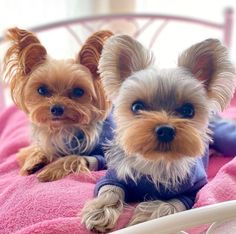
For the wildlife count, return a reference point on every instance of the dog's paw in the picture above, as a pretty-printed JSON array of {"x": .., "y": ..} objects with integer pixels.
[
  {"x": 63, "y": 167},
  {"x": 155, "y": 209},
  {"x": 31, "y": 159},
  {"x": 51, "y": 173},
  {"x": 31, "y": 169},
  {"x": 101, "y": 214}
]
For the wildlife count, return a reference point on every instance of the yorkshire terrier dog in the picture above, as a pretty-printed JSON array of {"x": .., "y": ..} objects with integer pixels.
[
  {"x": 161, "y": 146},
  {"x": 65, "y": 102}
]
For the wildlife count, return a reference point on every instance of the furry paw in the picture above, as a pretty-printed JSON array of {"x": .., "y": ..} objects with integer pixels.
[
  {"x": 155, "y": 209},
  {"x": 63, "y": 167},
  {"x": 31, "y": 159},
  {"x": 101, "y": 214}
]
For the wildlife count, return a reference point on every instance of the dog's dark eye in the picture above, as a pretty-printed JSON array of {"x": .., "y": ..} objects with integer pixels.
[
  {"x": 43, "y": 90},
  {"x": 186, "y": 110},
  {"x": 137, "y": 106},
  {"x": 77, "y": 92}
]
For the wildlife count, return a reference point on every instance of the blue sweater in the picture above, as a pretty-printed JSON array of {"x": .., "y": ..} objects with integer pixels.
[
  {"x": 224, "y": 138},
  {"x": 106, "y": 135}
]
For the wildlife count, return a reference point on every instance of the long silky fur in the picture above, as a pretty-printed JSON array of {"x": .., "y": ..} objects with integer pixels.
[
  {"x": 169, "y": 174},
  {"x": 222, "y": 83},
  {"x": 26, "y": 60},
  {"x": 102, "y": 213},
  {"x": 114, "y": 69},
  {"x": 89, "y": 56},
  {"x": 57, "y": 143}
]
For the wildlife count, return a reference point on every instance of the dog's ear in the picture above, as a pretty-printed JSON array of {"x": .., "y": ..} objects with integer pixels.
[
  {"x": 25, "y": 52},
  {"x": 121, "y": 56},
  {"x": 90, "y": 52},
  {"x": 89, "y": 56},
  {"x": 209, "y": 62},
  {"x": 24, "y": 55}
]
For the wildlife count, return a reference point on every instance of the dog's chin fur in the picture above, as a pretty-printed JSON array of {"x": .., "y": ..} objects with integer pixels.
[
  {"x": 161, "y": 171},
  {"x": 57, "y": 142}
]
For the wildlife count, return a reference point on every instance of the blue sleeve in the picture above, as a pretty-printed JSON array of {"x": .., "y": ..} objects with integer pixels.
[
  {"x": 188, "y": 201},
  {"x": 110, "y": 178},
  {"x": 101, "y": 162},
  {"x": 224, "y": 136},
  {"x": 98, "y": 153},
  {"x": 106, "y": 135}
]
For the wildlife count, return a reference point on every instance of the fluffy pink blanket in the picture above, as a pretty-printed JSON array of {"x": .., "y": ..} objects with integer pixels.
[{"x": 28, "y": 206}]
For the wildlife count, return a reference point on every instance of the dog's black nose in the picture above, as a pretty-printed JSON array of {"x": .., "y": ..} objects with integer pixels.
[
  {"x": 165, "y": 133},
  {"x": 57, "y": 110}
]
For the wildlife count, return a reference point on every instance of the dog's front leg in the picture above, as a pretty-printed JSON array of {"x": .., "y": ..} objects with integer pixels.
[
  {"x": 31, "y": 159},
  {"x": 63, "y": 167},
  {"x": 102, "y": 213},
  {"x": 155, "y": 209}
]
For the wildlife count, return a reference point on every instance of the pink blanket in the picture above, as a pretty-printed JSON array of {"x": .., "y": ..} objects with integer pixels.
[
  {"x": 222, "y": 176},
  {"x": 28, "y": 206}
]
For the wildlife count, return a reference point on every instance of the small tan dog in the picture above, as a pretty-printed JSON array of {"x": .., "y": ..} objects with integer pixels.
[
  {"x": 65, "y": 102},
  {"x": 161, "y": 148}
]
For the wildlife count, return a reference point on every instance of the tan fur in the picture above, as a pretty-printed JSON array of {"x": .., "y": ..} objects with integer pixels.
[
  {"x": 63, "y": 167},
  {"x": 209, "y": 62},
  {"x": 125, "y": 60},
  {"x": 30, "y": 159},
  {"x": 27, "y": 66},
  {"x": 89, "y": 56},
  {"x": 204, "y": 78},
  {"x": 150, "y": 210},
  {"x": 146, "y": 143},
  {"x": 102, "y": 213},
  {"x": 24, "y": 55}
]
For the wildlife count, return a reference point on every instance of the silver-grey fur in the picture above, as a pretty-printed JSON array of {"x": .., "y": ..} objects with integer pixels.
[
  {"x": 204, "y": 76},
  {"x": 169, "y": 174},
  {"x": 62, "y": 139}
]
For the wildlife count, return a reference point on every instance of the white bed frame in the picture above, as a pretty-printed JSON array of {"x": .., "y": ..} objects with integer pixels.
[
  {"x": 141, "y": 24},
  {"x": 214, "y": 215}
]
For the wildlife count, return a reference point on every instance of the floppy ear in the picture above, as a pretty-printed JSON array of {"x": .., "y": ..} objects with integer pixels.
[
  {"x": 209, "y": 62},
  {"x": 90, "y": 52},
  {"x": 23, "y": 56},
  {"x": 121, "y": 56}
]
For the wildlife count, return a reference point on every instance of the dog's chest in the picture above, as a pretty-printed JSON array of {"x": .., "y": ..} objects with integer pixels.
[
  {"x": 145, "y": 187},
  {"x": 70, "y": 143}
]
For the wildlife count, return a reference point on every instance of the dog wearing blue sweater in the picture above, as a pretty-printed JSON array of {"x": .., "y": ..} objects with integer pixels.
[
  {"x": 65, "y": 102},
  {"x": 165, "y": 123}
]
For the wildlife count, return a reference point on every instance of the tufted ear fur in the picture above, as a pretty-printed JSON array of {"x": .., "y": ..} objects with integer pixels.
[
  {"x": 90, "y": 52},
  {"x": 26, "y": 51},
  {"x": 23, "y": 56},
  {"x": 209, "y": 62},
  {"x": 89, "y": 56},
  {"x": 121, "y": 57}
]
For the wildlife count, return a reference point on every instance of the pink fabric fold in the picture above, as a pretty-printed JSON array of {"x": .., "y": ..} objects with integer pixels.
[
  {"x": 28, "y": 206},
  {"x": 221, "y": 188}
]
